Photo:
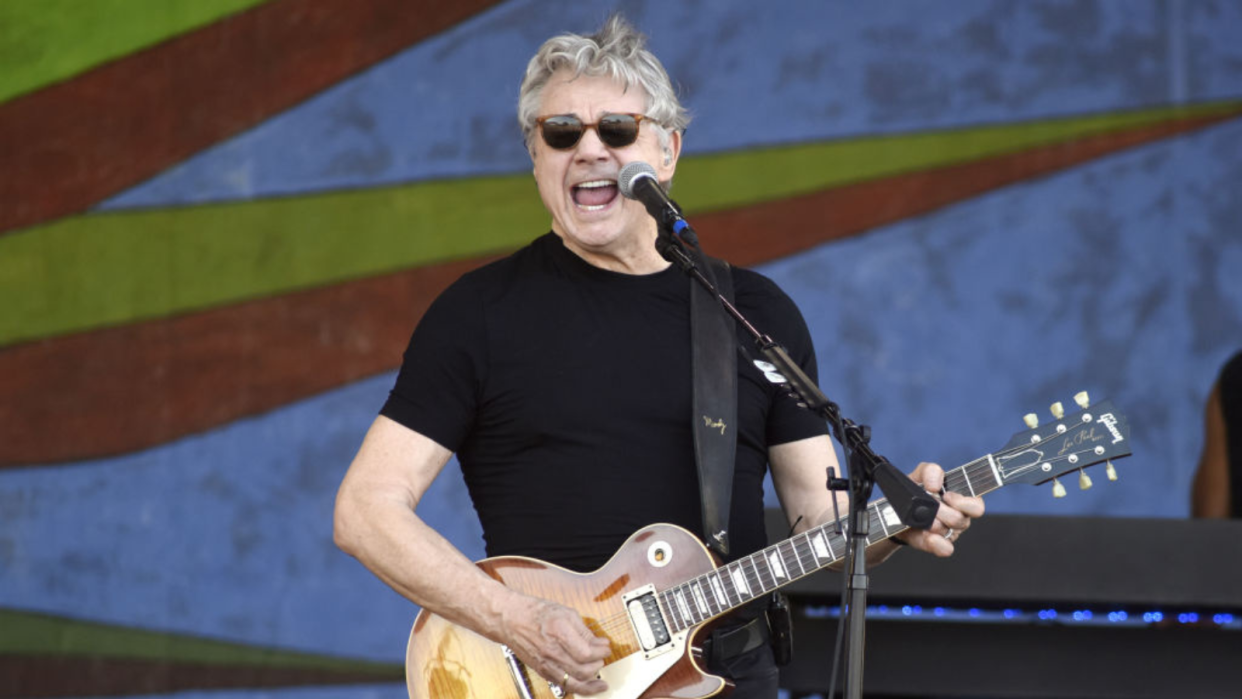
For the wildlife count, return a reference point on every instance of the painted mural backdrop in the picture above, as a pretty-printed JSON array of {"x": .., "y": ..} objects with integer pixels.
[{"x": 220, "y": 220}]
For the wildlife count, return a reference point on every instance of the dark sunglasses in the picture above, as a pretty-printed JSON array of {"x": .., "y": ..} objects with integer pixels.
[{"x": 563, "y": 131}]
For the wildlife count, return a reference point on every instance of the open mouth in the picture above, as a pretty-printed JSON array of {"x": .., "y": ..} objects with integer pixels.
[{"x": 594, "y": 195}]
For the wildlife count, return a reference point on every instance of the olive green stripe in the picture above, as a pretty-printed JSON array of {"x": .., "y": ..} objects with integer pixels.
[
  {"x": 737, "y": 179},
  {"x": 117, "y": 267},
  {"x": 104, "y": 269},
  {"x": 47, "y": 41},
  {"x": 23, "y": 633}
]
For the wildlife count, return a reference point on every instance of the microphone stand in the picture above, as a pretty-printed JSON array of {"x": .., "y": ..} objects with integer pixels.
[{"x": 914, "y": 507}]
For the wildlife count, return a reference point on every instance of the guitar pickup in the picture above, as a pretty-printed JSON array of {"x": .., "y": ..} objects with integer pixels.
[{"x": 647, "y": 620}]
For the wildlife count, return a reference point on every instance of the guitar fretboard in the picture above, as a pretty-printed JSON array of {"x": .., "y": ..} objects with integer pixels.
[{"x": 730, "y": 586}]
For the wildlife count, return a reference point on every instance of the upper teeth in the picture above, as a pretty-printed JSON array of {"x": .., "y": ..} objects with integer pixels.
[{"x": 597, "y": 183}]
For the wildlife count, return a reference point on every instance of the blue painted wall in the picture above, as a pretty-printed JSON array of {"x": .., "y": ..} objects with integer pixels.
[{"x": 1121, "y": 276}]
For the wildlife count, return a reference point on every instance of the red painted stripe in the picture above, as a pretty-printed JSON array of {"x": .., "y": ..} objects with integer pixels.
[
  {"x": 59, "y": 397},
  {"x": 175, "y": 377},
  {"x": 73, "y": 144},
  {"x": 819, "y": 217}
]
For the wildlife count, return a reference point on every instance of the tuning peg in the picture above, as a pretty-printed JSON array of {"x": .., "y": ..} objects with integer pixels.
[
  {"x": 1058, "y": 490},
  {"x": 1031, "y": 420},
  {"x": 1108, "y": 469},
  {"x": 1084, "y": 481},
  {"x": 1058, "y": 410},
  {"x": 1082, "y": 399}
]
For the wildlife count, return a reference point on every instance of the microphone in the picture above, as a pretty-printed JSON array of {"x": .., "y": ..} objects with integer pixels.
[{"x": 637, "y": 181}]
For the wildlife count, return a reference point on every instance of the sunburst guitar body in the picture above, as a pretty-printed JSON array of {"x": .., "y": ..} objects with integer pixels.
[
  {"x": 663, "y": 590},
  {"x": 446, "y": 661}
]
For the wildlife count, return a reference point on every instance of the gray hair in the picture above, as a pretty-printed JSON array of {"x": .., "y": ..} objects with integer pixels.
[{"x": 617, "y": 50}]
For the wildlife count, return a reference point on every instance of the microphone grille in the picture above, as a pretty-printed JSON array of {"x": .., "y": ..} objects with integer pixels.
[{"x": 631, "y": 172}]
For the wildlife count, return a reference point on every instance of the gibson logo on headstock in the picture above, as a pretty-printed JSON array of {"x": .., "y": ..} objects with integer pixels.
[{"x": 1111, "y": 423}]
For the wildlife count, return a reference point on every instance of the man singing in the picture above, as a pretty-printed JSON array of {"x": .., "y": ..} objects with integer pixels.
[{"x": 560, "y": 376}]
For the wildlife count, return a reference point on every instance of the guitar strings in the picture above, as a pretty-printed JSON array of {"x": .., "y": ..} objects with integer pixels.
[
  {"x": 620, "y": 621},
  {"x": 957, "y": 480}
]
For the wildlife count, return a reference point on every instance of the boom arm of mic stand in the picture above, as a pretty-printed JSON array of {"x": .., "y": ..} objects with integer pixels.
[{"x": 912, "y": 504}]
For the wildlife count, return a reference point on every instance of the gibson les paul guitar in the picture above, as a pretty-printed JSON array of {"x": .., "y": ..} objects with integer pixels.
[{"x": 663, "y": 587}]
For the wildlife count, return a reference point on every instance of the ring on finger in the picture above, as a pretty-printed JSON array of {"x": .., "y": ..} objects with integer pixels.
[
  {"x": 564, "y": 678},
  {"x": 948, "y": 536}
]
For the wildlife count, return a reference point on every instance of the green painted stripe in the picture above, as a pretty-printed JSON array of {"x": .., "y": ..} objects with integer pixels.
[
  {"x": 109, "y": 268},
  {"x": 105, "y": 269},
  {"x": 23, "y": 633},
  {"x": 47, "y": 41},
  {"x": 747, "y": 177}
]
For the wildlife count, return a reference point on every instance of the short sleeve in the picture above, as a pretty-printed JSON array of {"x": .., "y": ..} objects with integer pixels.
[
  {"x": 437, "y": 389},
  {"x": 776, "y": 315}
]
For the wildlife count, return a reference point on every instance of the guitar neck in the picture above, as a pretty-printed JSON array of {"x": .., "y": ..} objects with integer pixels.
[{"x": 735, "y": 584}]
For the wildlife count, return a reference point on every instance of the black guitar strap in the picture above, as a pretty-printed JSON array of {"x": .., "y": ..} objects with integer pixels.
[{"x": 714, "y": 369}]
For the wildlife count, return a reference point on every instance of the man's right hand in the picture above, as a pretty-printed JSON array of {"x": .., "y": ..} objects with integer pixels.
[{"x": 553, "y": 641}]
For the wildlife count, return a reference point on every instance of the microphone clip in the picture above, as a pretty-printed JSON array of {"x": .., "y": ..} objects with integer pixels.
[{"x": 674, "y": 248}]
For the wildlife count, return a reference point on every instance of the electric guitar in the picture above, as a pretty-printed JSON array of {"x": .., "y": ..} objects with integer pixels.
[{"x": 663, "y": 587}]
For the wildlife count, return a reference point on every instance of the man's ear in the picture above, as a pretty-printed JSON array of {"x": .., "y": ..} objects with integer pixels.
[{"x": 671, "y": 154}]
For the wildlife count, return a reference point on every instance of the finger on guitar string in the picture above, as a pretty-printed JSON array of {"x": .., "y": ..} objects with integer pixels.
[
  {"x": 555, "y": 642},
  {"x": 954, "y": 513},
  {"x": 930, "y": 476},
  {"x": 567, "y": 629},
  {"x": 605, "y": 624},
  {"x": 969, "y": 507},
  {"x": 950, "y": 520},
  {"x": 612, "y": 627}
]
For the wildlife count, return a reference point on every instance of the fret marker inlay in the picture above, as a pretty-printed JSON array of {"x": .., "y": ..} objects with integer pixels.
[
  {"x": 718, "y": 591},
  {"x": 698, "y": 599},
  {"x": 681, "y": 604},
  {"x": 778, "y": 569},
  {"x": 820, "y": 546},
  {"x": 739, "y": 581},
  {"x": 890, "y": 516}
]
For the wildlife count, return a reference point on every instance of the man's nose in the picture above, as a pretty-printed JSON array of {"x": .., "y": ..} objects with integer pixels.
[{"x": 590, "y": 147}]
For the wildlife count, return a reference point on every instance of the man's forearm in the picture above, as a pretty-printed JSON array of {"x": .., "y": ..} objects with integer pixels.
[{"x": 420, "y": 564}]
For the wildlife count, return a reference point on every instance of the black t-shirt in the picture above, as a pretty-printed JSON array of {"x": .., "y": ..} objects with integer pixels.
[
  {"x": 565, "y": 391},
  {"x": 1230, "y": 386}
]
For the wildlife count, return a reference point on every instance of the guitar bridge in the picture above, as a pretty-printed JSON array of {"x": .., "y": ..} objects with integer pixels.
[
  {"x": 517, "y": 672},
  {"x": 647, "y": 620}
]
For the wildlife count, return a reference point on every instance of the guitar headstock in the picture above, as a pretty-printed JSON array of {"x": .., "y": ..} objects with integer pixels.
[{"x": 1070, "y": 443}]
